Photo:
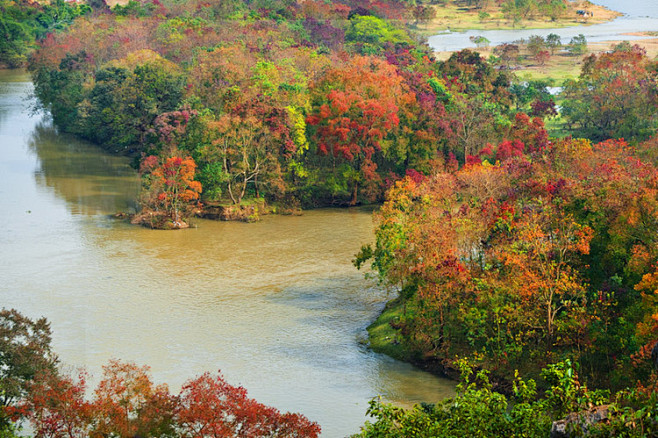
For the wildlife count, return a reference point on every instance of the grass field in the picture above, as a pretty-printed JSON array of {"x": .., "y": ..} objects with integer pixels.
[{"x": 455, "y": 16}]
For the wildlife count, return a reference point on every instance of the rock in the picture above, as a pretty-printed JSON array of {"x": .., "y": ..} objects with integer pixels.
[
  {"x": 577, "y": 423},
  {"x": 157, "y": 220},
  {"x": 244, "y": 213}
]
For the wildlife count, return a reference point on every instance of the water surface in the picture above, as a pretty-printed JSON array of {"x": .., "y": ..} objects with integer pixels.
[
  {"x": 638, "y": 16},
  {"x": 276, "y": 305}
]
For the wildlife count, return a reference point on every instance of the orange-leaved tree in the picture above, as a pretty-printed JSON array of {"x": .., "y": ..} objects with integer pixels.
[
  {"x": 169, "y": 186},
  {"x": 127, "y": 403}
]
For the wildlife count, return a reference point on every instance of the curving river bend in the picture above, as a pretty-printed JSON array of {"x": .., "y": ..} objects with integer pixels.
[{"x": 276, "y": 305}]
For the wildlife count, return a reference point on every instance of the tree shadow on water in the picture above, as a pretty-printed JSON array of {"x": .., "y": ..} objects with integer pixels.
[{"x": 91, "y": 181}]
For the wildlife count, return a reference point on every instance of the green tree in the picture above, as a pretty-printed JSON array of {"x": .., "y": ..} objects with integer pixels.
[
  {"x": 372, "y": 33},
  {"x": 121, "y": 108},
  {"x": 536, "y": 44},
  {"x": 578, "y": 45},
  {"x": 615, "y": 96},
  {"x": 24, "y": 352},
  {"x": 553, "y": 42}
]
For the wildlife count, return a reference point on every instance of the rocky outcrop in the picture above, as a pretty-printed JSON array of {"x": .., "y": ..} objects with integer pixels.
[
  {"x": 577, "y": 423},
  {"x": 157, "y": 220},
  {"x": 245, "y": 213}
]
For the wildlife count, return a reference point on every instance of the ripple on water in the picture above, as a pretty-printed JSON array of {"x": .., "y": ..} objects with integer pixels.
[{"x": 276, "y": 305}]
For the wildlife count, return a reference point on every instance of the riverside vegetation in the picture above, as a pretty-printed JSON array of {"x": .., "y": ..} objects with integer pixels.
[
  {"x": 527, "y": 261},
  {"x": 303, "y": 104}
]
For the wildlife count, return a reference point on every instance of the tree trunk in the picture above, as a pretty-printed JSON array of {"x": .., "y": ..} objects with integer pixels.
[{"x": 354, "y": 193}]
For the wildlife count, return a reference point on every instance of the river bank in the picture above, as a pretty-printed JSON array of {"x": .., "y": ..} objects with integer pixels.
[
  {"x": 636, "y": 17},
  {"x": 276, "y": 305},
  {"x": 563, "y": 65},
  {"x": 453, "y": 17}
]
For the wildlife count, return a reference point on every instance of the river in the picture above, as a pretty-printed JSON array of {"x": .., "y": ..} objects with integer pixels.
[
  {"x": 276, "y": 305},
  {"x": 638, "y": 16}
]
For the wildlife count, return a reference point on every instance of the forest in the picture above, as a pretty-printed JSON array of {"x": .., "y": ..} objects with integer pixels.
[
  {"x": 299, "y": 104},
  {"x": 525, "y": 264}
]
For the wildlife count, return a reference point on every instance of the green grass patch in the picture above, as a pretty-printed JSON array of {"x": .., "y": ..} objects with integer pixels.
[
  {"x": 556, "y": 127},
  {"x": 383, "y": 337},
  {"x": 559, "y": 68}
]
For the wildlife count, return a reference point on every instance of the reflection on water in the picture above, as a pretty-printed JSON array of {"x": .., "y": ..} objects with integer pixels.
[
  {"x": 276, "y": 305},
  {"x": 104, "y": 184},
  {"x": 639, "y": 16}
]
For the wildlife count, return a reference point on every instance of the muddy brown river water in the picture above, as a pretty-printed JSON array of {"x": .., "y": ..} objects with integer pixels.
[{"x": 276, "y": 305}]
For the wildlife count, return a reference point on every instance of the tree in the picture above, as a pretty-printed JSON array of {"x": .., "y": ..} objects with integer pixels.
[
  {"x": 476, "y": 76},
  {"x": 240, "y": 144},
  {"x": 540, "y": 257},
  {"x": 423, "y": 13},
  {"x": 526, "y": 92},
  {"x": 356, "y": 114},
  {"x": 210, "y": 407},
  {"x": 535, "y": 45},
  {"x": 21, "y": 23},
  {"x": 578, "y": 45},
  {"x": 508, "y": 53},
  {"x": 472, "y": 122},
  {"x": 169, "y": 187},
  {"x": 553, "y": 42},
  {"x": 542, "y": 57},
  {"x": 126, "y": 98},
  {"x": 60, "y": 90},
  {"x": 56, "y": 406},
  {"x": 478, "y": 409},
  {"x": 554, "y": 9},
  {"x": 370, "y": 34},
  {"x": 615, "y": 96},
  {"x": 24, "y": 352},
  {"x": 479, "y": 41},
  {"x": 127, "y": 403}
]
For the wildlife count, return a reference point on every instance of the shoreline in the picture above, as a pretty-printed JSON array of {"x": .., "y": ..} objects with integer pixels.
[
  {"x": 451, "y": 18},
  {"x": 562, "y": 66}
]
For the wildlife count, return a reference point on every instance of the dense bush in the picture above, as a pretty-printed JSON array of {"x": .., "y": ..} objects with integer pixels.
[
  {"x": 477, "y": 410},
  {"x": 22, "y": 22}
]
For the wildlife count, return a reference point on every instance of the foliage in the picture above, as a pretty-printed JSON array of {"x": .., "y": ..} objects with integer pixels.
[
  {"x": 516, "y": 10},
  {"x": 526, "y": 261},
  {"x": 56, "y": 406},
  {"x": 257, "y": 80},
  {"x": 478, "y": 410},
  {"x": 615, "y": 96},
  {"x": 169, "y": 187},
  {"x": 353, "y": 119},
  {"x": 372, "y": 33},
  {"x": 22, "y": 22},
  {"x": 127, "y": 403},
  {"x": 24, "y": 352},
  {"x": 577, "y": 45},
  {"x": 554, "y": 42},
  {"x": 209, "y": 406}
]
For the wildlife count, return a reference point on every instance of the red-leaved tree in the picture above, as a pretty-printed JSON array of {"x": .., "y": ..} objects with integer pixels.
[
  {"x": 356, "y": 108},
  {"x": 208, "y": 406}
]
